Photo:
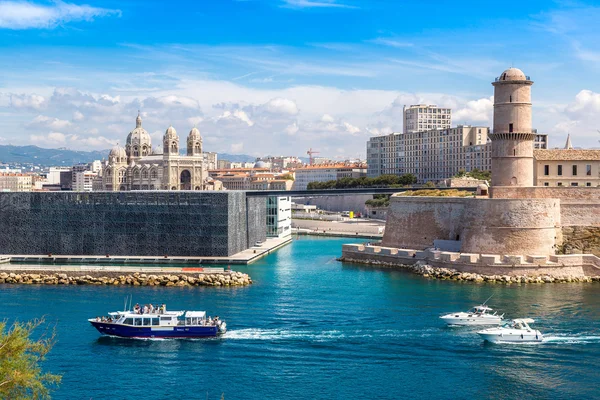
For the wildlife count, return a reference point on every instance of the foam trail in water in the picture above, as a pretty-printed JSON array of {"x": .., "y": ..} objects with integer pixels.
[
  {"x": 571, "y": 339},
  {"x": 287, "y": 334}
]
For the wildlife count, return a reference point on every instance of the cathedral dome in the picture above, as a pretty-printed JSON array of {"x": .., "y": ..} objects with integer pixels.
[
  {"x": 138, "y": 141},
  {"x": 195, "y": 134},
  {"x": 513, "y": 74},
  {"x": 170, "y": 132},
  {"x": 117, "y": 152}
]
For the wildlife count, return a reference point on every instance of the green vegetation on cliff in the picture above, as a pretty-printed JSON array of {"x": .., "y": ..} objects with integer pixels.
[
  {"x": 364, "y": 182},
  {"x": 475, "y": 174},
  {"x": 437, "y": 193}
]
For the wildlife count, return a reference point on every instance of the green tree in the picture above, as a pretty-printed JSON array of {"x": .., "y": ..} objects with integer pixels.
[
  {"x": 21, "y": 376},
  {"x": 408, "y": 179}
]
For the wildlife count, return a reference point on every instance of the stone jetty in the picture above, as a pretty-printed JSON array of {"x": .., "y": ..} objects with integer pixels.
[
  {"x": 229, "y": 278},
  {"x": 428, "y": 271}
]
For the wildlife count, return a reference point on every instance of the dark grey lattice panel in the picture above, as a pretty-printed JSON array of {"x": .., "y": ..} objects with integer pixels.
[{"x": 131, "y": 223}]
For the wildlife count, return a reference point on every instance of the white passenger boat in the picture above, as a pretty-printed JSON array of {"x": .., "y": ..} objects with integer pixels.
[
  {"x": 516, "y": 331},
  {"x": 478, "y": 315}
]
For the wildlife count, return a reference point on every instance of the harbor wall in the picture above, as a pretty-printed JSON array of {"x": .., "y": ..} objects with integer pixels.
[
  {"x": 507, "y": 226},
  {"x": 130, "y": 223}
]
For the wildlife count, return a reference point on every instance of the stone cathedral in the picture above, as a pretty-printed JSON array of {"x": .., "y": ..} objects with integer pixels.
[{"x": 140, "y": 167}]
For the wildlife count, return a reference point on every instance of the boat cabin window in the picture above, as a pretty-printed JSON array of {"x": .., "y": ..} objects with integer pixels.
[
  {"x": 138, "y": 321},
  {"x": 165, "y": 318},
  {"x": 147, "y": 321},
  {"x": 128, "y": 321},
  {"x": 155, "y": 321}
]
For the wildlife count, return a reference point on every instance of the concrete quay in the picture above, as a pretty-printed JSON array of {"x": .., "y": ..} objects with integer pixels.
[
  {"x": 479, "y": 267},
  {"x": 245, "y": 257}
]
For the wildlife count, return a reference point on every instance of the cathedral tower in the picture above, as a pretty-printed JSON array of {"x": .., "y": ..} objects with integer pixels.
[{"x": 512, "y": 138}]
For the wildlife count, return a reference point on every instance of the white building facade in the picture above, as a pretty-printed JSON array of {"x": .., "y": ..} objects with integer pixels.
[{"x": 423, "y": 117}]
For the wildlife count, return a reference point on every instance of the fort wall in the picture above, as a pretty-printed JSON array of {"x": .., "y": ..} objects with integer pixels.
[{"x": 508, "y": 226}]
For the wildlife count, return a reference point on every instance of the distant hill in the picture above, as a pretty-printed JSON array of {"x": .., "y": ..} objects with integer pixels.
[
  {"x": 47, "y": 157},
  {"x": 58, "y": 157}
]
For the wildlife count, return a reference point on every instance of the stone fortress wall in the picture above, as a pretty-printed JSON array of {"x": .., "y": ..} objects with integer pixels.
[
  {"x": 495, "y": 226},
  {"x": 183, "y": 223}
]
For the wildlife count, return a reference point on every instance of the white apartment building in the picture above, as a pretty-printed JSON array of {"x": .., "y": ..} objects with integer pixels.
[
  {"x": 423, "y": 117},
  {"x": 324, "y": 173},
  {"x": 10, "y": 182},
  {"x": 431, "y": 155},
  {"x": 83, "y": 181}
]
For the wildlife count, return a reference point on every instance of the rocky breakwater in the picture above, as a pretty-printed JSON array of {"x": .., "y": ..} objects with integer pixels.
[
  {"x": 136, "y": 279},
  {"x": 428, "y": 271}
]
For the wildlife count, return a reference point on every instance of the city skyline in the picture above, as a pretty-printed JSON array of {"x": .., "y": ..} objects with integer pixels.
[{"x": 281, "y": 76}]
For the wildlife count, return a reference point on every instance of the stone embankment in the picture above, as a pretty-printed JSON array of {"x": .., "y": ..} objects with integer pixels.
[
  {"x": 428, "y": 271},
  {"x": 136, "y": 279}
]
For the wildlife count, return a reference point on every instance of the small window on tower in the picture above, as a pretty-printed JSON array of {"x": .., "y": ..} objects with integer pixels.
[
  {"x": 510, "y": 128},
  {"x": 510, "y": 99}
]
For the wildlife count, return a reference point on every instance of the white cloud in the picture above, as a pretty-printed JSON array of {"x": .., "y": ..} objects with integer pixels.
[
  {"x": 391, "y": 42},
  {"x": 28, "y": 15},
  {"x": 327, "y": 118},
  {"x": 32, "y": 101},
  {"x": 236, "y": 115},
  {"x": 237, "y": 147},
  {"x": 78, "y": 116},
  {"x": 292, "y": 129},
  {"x": 586, "y": 105},
  {"x": 281, "y": 106},
  {"x": 315, "y": 4},
  {"x": 480, "y": 110},
  {"x": 351, "y": 128},
  {"x": 42, "y": 121}
]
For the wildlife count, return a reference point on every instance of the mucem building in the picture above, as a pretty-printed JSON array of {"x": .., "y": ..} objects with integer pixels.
[{"x": 156, "y": 223}]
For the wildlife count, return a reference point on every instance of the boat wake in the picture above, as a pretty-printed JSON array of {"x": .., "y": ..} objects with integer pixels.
[
  {"x": 287, "y": 334},
  {"x": 572, "y": 339}
]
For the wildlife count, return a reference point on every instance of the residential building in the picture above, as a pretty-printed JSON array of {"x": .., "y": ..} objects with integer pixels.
[
  {"x": 223, "y": 164},
  {"x": 567, "y": 167},
  {"x": 423, "y": 117},
  {"x": 83, "y": 181},
  {"x": 210, "y": 160},
  {"x": 53, "y": 177},
  {"x": 540, "y": 141},
  {"x": 328, "y": 172},
  {"x": 431, "y": 155},
  {"x": 13, "y": 182},
  {"x": 252, "y": 179}
]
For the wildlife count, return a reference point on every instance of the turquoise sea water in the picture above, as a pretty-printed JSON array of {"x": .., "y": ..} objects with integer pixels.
[{"x": 313, "y": 328}]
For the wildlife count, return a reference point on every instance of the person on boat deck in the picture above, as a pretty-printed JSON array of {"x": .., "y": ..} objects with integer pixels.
[
  {"x": 136, "y": 308},
  {"x": 146, "y": 309},
  {"x": 163, "y": 308},
  {"x": 151, "y": 308}
]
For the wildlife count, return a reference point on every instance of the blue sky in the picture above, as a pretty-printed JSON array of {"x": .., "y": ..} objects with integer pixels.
[{"x": 280, "y": 76}]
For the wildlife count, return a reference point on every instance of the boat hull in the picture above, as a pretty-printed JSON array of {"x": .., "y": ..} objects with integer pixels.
[
  {"x": 150, "y": 332},
  {"x": 512, "y": 337},
  {"x": 457, "y": 319}
]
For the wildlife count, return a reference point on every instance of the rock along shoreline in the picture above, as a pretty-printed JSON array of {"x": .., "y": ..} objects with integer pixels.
[
  {"x": 428, "y": 271},
  {"x": 108, "y": 278}
]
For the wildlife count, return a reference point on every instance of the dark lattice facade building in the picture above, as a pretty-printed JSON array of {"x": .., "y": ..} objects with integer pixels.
[{"x": 157, "y": 223}]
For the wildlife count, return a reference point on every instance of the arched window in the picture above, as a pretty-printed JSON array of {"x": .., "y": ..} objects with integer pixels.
[
  {"x": 198, "y": 148},
  {"x": 173, "y": 147},
  {"x": 136, "y": 174},
  {"x": 136, "y": 152},
  {"x": 145, "y": 174},
  {"x": 154, "y": 174},
  {"x": 144, "y": 151},
  {"x": 108, "y": 172}
]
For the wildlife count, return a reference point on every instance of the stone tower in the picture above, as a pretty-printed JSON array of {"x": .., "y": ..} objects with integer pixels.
[{"x": 512, "y": 138}]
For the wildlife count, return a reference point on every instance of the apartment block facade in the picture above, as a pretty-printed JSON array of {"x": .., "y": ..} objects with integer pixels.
[
  {"x": 423, "y": 117},
  {"x": 430, "y": 155}
]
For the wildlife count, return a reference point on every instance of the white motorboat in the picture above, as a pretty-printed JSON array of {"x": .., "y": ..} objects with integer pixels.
[
  {"x": 478, "y": 315},
  {"x": 516, "y": 331}
]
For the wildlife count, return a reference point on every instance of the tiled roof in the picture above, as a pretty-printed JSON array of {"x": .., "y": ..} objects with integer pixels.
[{"x": 566, "y": 155}]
